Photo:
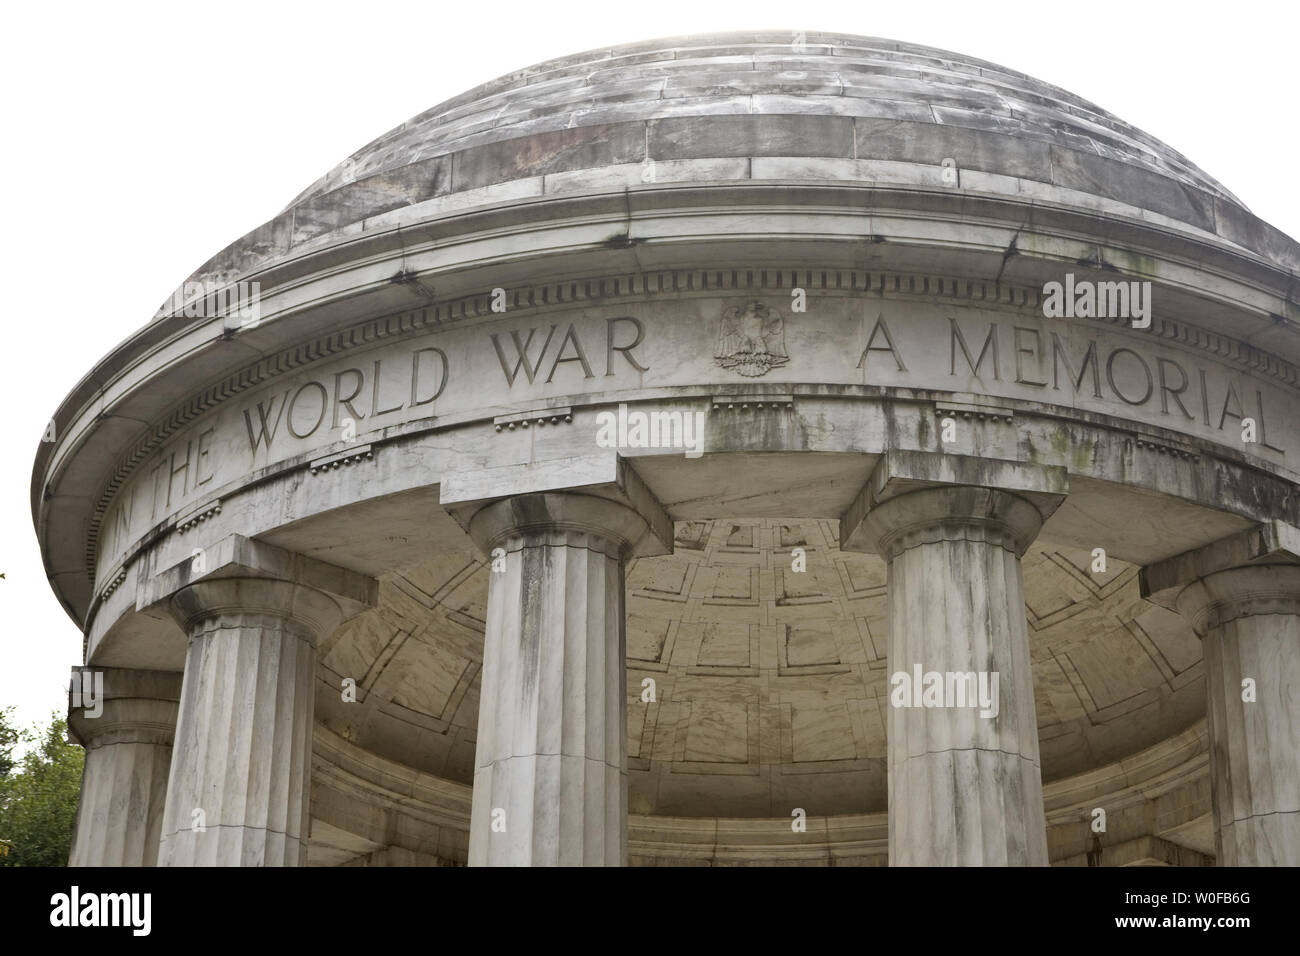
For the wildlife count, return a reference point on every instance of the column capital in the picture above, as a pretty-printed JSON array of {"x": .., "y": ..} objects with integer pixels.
[
  {"x": 599, "y": 495},
  {"x": 1256, "y": 571},
  {"x": 914, "y": 497},
  {"x": 126, "y": 720},
  {"x": 118, "y": 705},
  {"x": 239, "y": 575},
  {"x": 1224, "y": 596},
  {"x": 1241, "y": 595}
]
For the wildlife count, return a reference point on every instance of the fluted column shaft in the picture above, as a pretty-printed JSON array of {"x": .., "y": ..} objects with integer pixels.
[
  {"x": 965, "y": 786},
  {"x": 550, "y": 778},
  {"x": 128, "y": 739},
  {"x": 1248, "y": 619},
  {"x": 241, "y": 771}
]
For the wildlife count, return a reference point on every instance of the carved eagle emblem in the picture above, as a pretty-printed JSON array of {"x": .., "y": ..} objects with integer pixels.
[{"x": 751, "y": 340}]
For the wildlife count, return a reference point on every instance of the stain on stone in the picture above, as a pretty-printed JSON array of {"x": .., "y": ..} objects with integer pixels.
[
  {"x": 1060, "y": 443},
  {"x": 1125, "y": 262},
  {"x": 1085, "y": 454},
  {"x": 530, "y": 510},
  {"x": 1007, "y": 255},
  {"x": 535, "y": 573},
  {"x": 405, "y": 277},
  {"x": 1097, "y": 263}
]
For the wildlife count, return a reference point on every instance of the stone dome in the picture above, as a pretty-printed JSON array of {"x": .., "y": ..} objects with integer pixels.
[
  {"x": 855, "y": 97},
  {"x": 753, "y": 107}
]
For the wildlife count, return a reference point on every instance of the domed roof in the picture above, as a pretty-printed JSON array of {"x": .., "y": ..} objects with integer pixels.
[
  {"x": 755, "y": 108},
  {"x": 893, "y": 101}
]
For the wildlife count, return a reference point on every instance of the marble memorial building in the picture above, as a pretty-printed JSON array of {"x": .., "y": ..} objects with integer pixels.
[{"x": 757, "y": 448}]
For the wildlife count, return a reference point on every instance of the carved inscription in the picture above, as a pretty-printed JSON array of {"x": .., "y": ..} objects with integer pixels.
[
  {"x": 302, "y": 410},
  {"x": 909, "y": 346},
  {"x": 516, "y": 354},
  {"x": 1080, "y": 366}
]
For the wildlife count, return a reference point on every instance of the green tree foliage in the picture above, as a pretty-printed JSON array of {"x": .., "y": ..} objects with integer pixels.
[
  {"x": 38, "y": 793},
  {"x": 9, "y": 737}
]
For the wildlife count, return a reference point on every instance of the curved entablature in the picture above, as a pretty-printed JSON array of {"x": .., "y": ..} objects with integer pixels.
[
  {"x": 1095, "y": 397},
  {"x": 1194, "y": 382},
  {"x": 655, "y": 229}
]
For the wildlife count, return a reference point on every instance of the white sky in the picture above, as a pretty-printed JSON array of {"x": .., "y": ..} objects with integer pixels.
[{"x": 140, "y": 139}]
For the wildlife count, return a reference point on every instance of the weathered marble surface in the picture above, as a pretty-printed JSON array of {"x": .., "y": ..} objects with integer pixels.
[
  {"x": 550, "y": 778},
  {"x": 1249, "y": 620},
  {"x": 964, "y": 789},
  {"x": 1241, "y": 595},
  {"x": 128, "y": 756},
  {"x": 550, "y": 762},
  {"x": 239, "y": 785},
  {"x": 965, "y": 782},
  {"x": 1158, "y": 812},
  {"x": 240, "y": 778},
  {"x": 679, "y": 100},
  {"x": 550, "y": 782}
]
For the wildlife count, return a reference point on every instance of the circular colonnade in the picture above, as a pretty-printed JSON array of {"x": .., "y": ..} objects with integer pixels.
[{"x": 594, "y": 468}]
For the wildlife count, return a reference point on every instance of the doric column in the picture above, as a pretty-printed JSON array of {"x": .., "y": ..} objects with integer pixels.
[
  {"x": 550, "y": 769},
  {"x": 1242, "y": 597},
  {"x": 125, "y": 719},
  {"x": 239, "y": 789},
  {"x": 965, "y": 787}
]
